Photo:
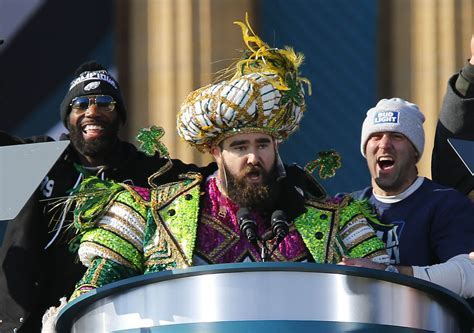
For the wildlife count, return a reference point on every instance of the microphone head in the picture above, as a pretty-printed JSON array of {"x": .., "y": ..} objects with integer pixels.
[
  {"x": 1, "y": 41},
  {"x": 279, "y": 215},
  {"x": 247, "y": 225},
  {"x": 280, "y": 225},
  {"x": 243, "y": 214}
]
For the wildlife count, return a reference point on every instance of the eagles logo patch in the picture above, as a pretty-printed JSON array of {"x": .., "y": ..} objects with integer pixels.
[{"x": 92, "y": 86}]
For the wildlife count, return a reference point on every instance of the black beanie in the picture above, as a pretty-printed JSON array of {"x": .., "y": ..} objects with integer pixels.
[{"x": 92, "y": 79}]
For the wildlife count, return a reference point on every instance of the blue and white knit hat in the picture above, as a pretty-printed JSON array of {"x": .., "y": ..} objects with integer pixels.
[{"x": 395, "y": 115}]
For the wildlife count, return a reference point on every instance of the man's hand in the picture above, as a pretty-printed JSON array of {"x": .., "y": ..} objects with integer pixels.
[
  {"x": 362, "y": 262},
  {"x": 472, "y": 51},
  {"x": 366, "y": 263},
  {"x": 50, "y": 316}
]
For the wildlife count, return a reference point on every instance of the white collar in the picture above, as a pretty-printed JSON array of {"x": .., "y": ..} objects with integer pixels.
[{"x": 402, "y": 196}]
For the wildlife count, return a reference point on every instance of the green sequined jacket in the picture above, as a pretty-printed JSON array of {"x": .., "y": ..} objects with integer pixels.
[{"x": 126, "y": 231}]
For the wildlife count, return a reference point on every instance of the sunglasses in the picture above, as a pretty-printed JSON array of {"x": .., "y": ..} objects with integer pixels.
[{"x": 104, "y": 103}]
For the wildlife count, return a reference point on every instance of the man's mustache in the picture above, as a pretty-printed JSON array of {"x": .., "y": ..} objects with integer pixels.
[{"x": 252, "y": 168}]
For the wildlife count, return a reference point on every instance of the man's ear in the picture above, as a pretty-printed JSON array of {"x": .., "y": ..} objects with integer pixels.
[
  {"x": 417, "y": 157},
  {"x": 216, "y": 153}
]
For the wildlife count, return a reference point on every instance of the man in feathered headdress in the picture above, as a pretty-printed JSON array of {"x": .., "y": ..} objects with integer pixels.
[{"x": 250, "y": 209}]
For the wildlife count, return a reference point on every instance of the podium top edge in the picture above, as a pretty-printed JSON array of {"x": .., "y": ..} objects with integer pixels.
[{"x": 435, "y": 290}]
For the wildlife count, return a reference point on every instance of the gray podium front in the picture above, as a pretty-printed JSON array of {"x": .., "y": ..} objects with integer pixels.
[{"x": 268, "y": 297}]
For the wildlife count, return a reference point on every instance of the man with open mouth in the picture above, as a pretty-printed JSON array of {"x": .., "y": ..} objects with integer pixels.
[
  {"x": 428, "y": 228},
  {"x": 93, "y": 110},
  {"x": 252, "y": 208}
]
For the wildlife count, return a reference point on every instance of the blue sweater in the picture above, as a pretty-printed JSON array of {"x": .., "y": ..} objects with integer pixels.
[{"x": 432, "y": 225}]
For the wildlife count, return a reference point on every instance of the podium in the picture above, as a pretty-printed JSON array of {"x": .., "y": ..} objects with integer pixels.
[{"x": 268, "y": 297}]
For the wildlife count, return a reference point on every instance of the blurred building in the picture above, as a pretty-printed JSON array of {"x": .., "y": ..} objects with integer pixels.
[{"x": 356, "y": 53}]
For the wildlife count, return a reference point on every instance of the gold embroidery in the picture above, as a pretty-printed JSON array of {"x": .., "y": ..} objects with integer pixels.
[
  {"x": 332, "y": 212},
  {"x": 230, "y": 237},
  {"x": 97, "y": 271},
  {"x": 222, "y": 212},
  {"x": 138, "y": 198},
  {"x": 164, "y": 194},
  {"x": 352, "y": 226},
  {"x": 174, "y": 249},
  {"x": 107, "y": 253}
]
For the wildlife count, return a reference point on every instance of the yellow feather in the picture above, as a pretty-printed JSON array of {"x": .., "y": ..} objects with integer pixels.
[{"x": 261, "y": 58}]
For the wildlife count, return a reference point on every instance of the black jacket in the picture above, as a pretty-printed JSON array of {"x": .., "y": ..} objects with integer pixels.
[
  {"x": 32, "y": 278},
  {"x": 456, "y": 120}
]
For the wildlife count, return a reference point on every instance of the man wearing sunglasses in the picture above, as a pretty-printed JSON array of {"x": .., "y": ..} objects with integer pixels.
[
  {"x": 93, "y": 126},
  {"x": 93, "y": 111},
  {"x": 250, "y": 209}
]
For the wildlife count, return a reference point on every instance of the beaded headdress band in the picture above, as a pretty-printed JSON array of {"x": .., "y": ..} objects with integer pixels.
[{"x": 265, "y": 94}]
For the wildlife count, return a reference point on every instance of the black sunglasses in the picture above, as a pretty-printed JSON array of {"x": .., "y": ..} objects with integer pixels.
[{"x": 104, "y": 103}]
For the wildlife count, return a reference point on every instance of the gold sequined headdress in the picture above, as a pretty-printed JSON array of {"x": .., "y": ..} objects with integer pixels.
[{"x": 265, "y": 94}]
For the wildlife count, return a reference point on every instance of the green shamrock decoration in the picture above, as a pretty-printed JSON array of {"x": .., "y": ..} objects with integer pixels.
[
  {"x": 149, "y": 139},
  {"x": 293, "y": 94},
  {"x": 328, "y": 162}
]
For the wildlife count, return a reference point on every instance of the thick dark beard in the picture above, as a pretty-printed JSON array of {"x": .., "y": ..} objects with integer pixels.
[
  {"x": 261, "y": 197},
  {"x": 96, "y": 147}
]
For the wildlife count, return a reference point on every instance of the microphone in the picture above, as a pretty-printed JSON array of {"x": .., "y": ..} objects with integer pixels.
[
  {"x": 280, "y": 228},
  {"x": 280, "y": 225},
  {"x": 247, "y": 226},
  {"x": 1, "y": 41}
]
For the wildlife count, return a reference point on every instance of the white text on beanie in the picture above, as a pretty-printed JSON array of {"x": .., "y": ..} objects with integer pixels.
[{"x": 395, "y": 115}]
